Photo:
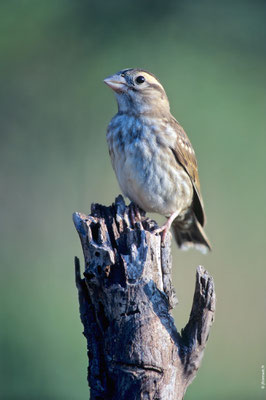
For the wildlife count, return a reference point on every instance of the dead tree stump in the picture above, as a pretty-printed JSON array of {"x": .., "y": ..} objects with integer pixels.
[{"x": 134, "y": 349}]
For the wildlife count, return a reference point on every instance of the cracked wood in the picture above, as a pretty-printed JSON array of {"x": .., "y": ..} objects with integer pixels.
[{"x": 134, "y": 349}]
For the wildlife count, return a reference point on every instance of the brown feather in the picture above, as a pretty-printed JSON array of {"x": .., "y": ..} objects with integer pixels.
[{"x": 185, "y": 156}]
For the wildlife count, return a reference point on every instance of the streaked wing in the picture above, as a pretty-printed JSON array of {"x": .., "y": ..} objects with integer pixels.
[{"x": 185, "y": 156}]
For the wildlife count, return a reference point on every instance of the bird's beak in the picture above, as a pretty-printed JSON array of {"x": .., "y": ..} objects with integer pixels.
[{"x": 116, "y": 82}]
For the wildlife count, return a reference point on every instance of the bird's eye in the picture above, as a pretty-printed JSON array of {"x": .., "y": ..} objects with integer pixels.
[
  {"x": 123, "y": 75},
  {"x": 140, "y": 79}
]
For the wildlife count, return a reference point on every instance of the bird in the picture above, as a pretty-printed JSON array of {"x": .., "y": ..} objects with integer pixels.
[{"x": 153, "y": 159}]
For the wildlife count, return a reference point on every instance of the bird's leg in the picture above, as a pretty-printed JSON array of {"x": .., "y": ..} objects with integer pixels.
[{"x": 165, "y": 227}]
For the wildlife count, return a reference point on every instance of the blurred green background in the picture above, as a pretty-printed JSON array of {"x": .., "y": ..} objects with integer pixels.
[{"x": 211, "y": 58}]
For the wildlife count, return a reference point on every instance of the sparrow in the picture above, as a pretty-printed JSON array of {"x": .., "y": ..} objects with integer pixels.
[{"x": 153, "y": 159}]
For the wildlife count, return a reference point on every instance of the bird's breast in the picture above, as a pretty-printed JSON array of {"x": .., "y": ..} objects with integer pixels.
[{"x": 145, "y": 166}]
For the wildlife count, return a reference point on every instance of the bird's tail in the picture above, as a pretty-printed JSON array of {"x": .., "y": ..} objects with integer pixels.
[{"x": 189, "y": 233}]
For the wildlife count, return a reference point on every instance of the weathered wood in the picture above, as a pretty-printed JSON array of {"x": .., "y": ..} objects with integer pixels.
[{"x": 134, "y": 349}]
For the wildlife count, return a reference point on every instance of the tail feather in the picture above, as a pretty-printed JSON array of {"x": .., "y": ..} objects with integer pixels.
[{"x": 189, "y": 233}]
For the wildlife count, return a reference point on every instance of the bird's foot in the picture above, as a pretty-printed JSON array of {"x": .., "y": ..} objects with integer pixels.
[
  {"x": 163, "y": 230},
  {"x": 134, "y": 213},
  {"x": 166, "y": 227}
]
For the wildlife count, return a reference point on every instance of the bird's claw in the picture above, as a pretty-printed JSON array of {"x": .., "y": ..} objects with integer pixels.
[
  {"x": 134, "y": 213},
  {"x": 163, "y": 231}
]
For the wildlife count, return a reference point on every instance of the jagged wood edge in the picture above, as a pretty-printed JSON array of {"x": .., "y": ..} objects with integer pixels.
[{"x": 193, "y": 337}]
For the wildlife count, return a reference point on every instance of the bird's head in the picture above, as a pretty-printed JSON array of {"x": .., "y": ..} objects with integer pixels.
[{"x": 138, "y": 92}]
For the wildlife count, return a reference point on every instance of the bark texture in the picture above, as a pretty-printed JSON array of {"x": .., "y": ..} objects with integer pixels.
[{"x": 134, "y": 349}]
